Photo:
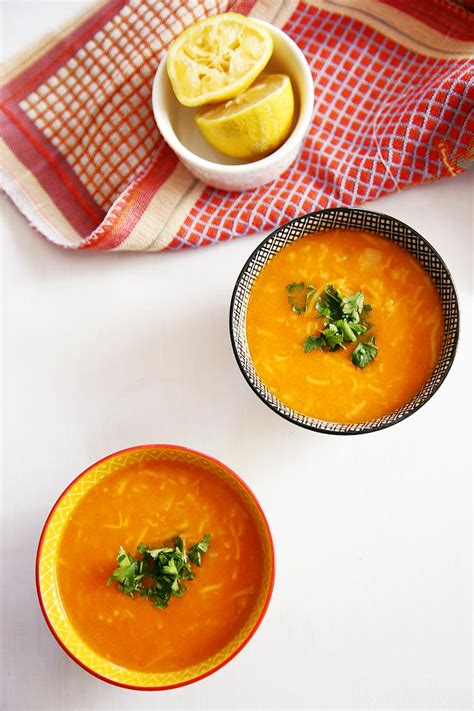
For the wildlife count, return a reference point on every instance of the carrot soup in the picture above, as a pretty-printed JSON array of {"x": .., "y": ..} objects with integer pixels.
[
  {"x": 153, "y": 503},
  {"x": 344, "y": 326}
]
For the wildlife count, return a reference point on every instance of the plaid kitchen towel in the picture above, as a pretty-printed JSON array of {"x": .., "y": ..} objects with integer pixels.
[{"x": 84, "y": 162}]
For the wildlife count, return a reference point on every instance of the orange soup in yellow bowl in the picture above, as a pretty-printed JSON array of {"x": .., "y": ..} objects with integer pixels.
[
  {"x": 344, "y": 321},
  {"x": 155, "y": 567}
]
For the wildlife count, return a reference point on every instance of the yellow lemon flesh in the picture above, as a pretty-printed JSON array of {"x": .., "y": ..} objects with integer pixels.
[
  {"x": 217, "y": 58},
  {"x": 253, "y": 124}
]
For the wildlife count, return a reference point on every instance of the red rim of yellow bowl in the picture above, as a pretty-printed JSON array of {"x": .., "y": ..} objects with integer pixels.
[{"x": 269, "y": 591}]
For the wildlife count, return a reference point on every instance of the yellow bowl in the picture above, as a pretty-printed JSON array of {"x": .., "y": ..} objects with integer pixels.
[{"x": 48, "y": 590}]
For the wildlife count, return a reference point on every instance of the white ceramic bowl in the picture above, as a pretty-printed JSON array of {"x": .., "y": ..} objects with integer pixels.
[{"x": 181, "y": 133}]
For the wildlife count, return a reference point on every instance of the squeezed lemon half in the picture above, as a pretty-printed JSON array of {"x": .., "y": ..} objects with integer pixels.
[
  {"x": 217, "y": 58},
  {"x": 253, "y": 124}
]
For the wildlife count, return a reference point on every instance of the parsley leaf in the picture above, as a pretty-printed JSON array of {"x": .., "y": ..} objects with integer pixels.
[
  {"x": 333, "y": 336},
  {"x": 336, "y": 307},
  {"x": 352, "y": 330},
  {"x": 313, "y": 343},
  {"x": 364, "y": 353},
  {"x": 194, "y": 553},
  {"x": 297, "y": 296},
  {"x": 159, "y": 574},
  {"x": 346, "y": 330},
  {"x": 129, "y": 572},
  {"x": 360, "y": 328},
  {"x": 330, "y": 303},
  {"x": 352, "y": 306}
]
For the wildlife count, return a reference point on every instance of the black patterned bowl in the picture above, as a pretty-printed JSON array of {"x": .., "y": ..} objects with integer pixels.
[{"x": 345, "y": 218}]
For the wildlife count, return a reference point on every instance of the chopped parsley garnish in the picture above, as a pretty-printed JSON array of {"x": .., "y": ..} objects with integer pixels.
[
  {"x": 344, "y": 320},
  {"x": 314, "y": 343},
  {"x": 364, "y": 353},
  {"x": 333, "y": 337},
  {"x": 158, "y": 573},
  {"x": 299, "y": 296},
  {"x": 330, "y": 304}
]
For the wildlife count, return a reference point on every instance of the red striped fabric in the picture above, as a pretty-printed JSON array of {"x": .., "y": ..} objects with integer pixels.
[{"x": 394, "y": 94}]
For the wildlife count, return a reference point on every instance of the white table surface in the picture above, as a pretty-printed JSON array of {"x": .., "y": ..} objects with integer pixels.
[{"x": 372, "y": 602}]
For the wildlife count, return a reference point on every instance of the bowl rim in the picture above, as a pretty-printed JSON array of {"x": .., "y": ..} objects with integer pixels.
[
  {"x": 314, "y": 428},
  {"x": 295, "y": 137},
  {"x": 263, "y": 611}
]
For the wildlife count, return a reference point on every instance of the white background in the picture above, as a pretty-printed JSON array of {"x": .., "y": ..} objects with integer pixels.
[{"x": 372, "y": 602}]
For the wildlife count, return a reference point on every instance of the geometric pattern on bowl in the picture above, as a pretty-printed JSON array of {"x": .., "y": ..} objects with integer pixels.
[
  {"x": 48, "y": 591},
  {"x": 353, "y": 219}
]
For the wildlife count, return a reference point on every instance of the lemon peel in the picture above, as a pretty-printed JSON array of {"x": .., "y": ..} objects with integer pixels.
[
  {"x": 217, "y": 58},
  {"x": 253, "y": 124}
]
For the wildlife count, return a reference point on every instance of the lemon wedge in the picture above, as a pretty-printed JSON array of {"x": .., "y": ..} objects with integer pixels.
[
  {"x": 253, "y": 124},
  {"x": 217, "y": 58}
]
